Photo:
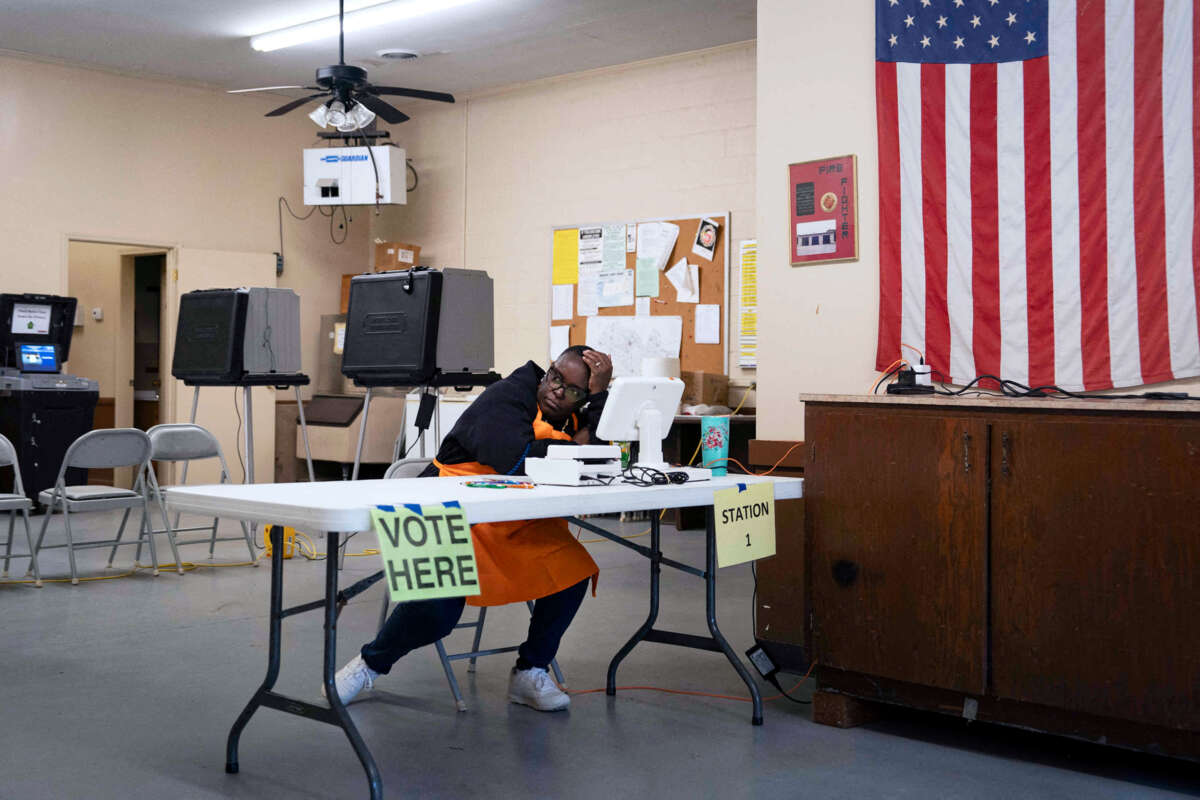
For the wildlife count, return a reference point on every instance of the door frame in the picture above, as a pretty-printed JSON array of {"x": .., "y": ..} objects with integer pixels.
[{"x": 123, "y": 394}]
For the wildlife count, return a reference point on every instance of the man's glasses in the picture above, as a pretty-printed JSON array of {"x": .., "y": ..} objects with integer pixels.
[{"x": 573, "y": 393}]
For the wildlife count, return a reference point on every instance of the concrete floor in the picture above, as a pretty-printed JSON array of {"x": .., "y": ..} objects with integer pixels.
[{"x": 129, "y": 686}]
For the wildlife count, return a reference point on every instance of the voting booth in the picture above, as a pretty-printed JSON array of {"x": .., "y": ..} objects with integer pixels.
[{"x": 42, "y": 409}]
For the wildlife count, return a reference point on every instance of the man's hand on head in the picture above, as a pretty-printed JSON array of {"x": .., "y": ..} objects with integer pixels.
[{"x": 601, "y": 370}]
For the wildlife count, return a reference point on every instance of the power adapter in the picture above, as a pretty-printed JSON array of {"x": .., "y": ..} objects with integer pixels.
[
  {"x": 906, "y": 383},
  {"x": 770, "y": 673},
  {"x": 763, "y": 663}
]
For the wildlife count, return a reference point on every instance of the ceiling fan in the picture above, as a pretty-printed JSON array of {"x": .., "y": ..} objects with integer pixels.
[{"x": 352, "y": 102}]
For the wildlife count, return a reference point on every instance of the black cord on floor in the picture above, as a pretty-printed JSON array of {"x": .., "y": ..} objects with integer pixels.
[
  {"x": 237, "y": 437},
  {"x": 775, "y": 682}
]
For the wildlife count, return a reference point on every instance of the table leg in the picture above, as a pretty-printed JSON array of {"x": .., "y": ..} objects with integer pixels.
[
  {"x": 276, "y": 621},
  {"x": 374, "y": 782},
  {"x": 336, "y": 713},
  {"x": 710, "y": 591},
  {"x": 655, "y": 572}
]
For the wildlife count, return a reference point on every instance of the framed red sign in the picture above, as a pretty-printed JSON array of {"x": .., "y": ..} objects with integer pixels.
[{"x": 823, "y": 203}]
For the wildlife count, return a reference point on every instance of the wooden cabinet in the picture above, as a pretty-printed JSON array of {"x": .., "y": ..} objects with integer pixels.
[
  {"x": 1029, "y": 562},
  {"x": 1096, "y": 566},
  {"x": 898, "y": 524},
  {"x": 781, "y": 605}
]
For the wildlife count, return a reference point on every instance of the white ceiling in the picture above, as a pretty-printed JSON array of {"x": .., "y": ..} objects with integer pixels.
[{"x": 466, "y": 49}]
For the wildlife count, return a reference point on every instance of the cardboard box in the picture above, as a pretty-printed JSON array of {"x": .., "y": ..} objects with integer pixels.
[
  {"x": 708, "y": 388},
  {"x": 396, "y": 255}
]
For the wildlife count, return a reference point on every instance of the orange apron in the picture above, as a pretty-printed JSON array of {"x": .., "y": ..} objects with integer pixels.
[{"x": 524, "y": 559}]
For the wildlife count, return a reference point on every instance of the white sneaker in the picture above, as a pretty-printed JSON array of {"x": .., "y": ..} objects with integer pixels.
[
  {"x": 352, "y": 679},
  {"x": 534, "y": 687}
]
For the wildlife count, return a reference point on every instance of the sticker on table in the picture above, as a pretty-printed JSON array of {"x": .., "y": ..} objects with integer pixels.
[
  {"x": 427, "y": 551},
  {"x": 745, "y": 517}
]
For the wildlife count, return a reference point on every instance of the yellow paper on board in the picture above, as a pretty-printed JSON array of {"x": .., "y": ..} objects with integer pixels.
[
  {"x": 566, "y": 256},
  {"x": 427, "y": 551},
  {"x": 745, "y": 517}
]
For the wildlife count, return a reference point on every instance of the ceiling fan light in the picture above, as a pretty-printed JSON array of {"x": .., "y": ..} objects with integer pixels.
[
  {"x": 359, "y": 116},
  {"x": 336, "y": 114},
  {"x": 320, "y": 115}
]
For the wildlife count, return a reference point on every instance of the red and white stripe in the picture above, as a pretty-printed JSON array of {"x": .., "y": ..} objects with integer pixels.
[{"x": 1038, "y": 219}]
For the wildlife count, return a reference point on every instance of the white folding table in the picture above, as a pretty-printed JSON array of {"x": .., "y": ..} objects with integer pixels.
[{"x": 338, "y": 507}]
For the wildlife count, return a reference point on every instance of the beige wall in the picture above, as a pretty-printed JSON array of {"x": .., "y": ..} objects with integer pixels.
[
  {"x": 668, "y": 137},
  {"x": 816, "y": 98},
  {"x": 111, "y": 158},
  {"x": 433, "y": 217},
  {"x": 95, "y": 156}
]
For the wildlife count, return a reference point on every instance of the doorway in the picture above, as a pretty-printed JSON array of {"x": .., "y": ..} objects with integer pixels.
[
  {"x": 148, "y": 275},
  {"x": 118, "y": 335}
]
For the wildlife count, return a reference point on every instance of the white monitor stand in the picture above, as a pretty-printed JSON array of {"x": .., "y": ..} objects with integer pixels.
[{"x": 642, "y": 409}]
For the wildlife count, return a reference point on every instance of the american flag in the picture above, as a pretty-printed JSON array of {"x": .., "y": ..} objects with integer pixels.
[{"x": 1037, "y": 171}]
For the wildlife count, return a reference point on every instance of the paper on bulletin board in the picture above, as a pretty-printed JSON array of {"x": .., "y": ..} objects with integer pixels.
[
  {"x": 562, "y": 301},
  {"x": 706, "y": 238},
  {"x": 647, "y": 277},
  {"x": 656, "y": 240},
  {"x": 427, "y": 551},
  {"x": 745, "y": 517},
  {"x": 616, "y": 289},
  {"x": 566, "y": 256},
  {"x": 631, "y": 238},
  {"x": 685, "y": 278},
  {"x": 641, "y": 307},
  {"x": 591, "y": 249},
  {"x": 628, "y": 340},
  {"x": 614, "y": 248},
  {"x": 587, "y": 303},
  {"x": 748, "y": 308},
  {"x": 560, "y": 339},
  {"x": 708, "y": 324}
]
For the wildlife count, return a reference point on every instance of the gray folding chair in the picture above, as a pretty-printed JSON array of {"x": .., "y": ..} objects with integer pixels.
[
  {"x": 411, "y": 468},
  {"x": 12, "y": 503},
  {"x": 101, "y": 449},
  {"x": 175, "y": 442}
]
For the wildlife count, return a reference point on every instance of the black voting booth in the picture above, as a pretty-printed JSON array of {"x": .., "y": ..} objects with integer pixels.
[
  {"x": 419, "y": 327},
  {"x": 243, "y": 338},
  {"x": 42, "y": 410}
]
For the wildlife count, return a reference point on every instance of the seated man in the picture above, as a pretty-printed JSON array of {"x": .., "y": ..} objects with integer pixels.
[{"x": 515, "y": 418}]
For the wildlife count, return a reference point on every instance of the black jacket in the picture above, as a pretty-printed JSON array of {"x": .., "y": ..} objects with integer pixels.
[{"x": 497, "y": 429}]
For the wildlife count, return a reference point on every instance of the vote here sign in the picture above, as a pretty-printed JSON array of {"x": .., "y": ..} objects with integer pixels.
[
  {"x": 745, "y": 517},
  {"x": 427, "y": 551}
]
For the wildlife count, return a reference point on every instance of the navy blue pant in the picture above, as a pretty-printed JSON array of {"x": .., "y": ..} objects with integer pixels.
[{"x": 421, "y": 622}]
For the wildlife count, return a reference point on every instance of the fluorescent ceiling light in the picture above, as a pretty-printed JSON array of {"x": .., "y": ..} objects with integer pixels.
[{"x": 358, "y": 20}]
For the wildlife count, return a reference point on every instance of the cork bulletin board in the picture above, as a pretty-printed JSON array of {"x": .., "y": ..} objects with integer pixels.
[{"x": 714, "y": 290}]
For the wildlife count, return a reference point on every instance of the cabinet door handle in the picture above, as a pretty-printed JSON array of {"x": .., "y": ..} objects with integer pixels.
[
  {"x": 1005, "y": 452},
  {"x": 966, "y": 452}
]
